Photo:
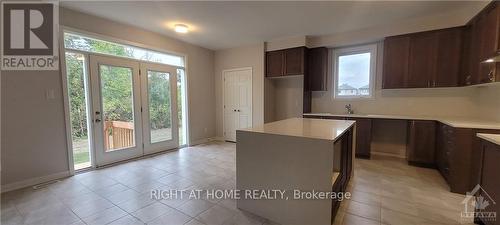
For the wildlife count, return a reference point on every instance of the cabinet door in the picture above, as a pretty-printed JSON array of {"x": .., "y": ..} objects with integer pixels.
[
  {"x": 487, "y": 31},
  {"x": 363, "y": 137},
  {"x": 318, "y": 66},
  {"x": 294, "y": 61},
  {"x": 467, "y": 66},
  {"x": 395, "y": 69},
  {"x": 422, "y": 64},
  {"x": 488, "y": 27},
  {"x": 448, "y": 58},
  {"x": 489, "y": 176},
  {"x": 275, "y": 61},
  {"x": 421, "y": 142}
]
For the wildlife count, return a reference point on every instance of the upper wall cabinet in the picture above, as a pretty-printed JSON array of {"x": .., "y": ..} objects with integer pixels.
[
  {"x": 423, "y": 60},
  {"x": 482, "y": 44},
  {"x": 317, "y": 68},
  {"x": 396, "y": 56},
  {"x": 286, "y": 62},
  {"x": 275, "y": 62}
]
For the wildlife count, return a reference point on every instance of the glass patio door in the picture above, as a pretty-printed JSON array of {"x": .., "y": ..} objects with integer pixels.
[
  {"x": 159, "y": 103},
  {"x": 116, "y": 104}
]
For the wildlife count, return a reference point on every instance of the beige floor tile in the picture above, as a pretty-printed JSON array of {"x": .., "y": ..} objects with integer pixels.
[
  {"x": 364, "y": 210},
  {"x": 399, "y": 206},
  {"x": 350, "y": 219},
  {"x": 404, "y": 194},
  {"x": 173, "y": 217},
  {"x": 391, "y": 217},
  {"x": 216, "y": 215},
  {"x": 194, "y": 207},
  {"x": 151, "y": 212}
]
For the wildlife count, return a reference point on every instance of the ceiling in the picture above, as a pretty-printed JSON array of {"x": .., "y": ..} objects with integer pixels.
[{"x": 220, "y": 25}]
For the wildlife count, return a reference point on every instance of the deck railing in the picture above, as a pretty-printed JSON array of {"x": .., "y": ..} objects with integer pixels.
[{"x": 118, "y": 134}]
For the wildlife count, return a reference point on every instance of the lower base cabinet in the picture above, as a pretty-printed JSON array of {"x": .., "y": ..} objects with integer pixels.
[
  {"x": 490, "y": 154},
  {"x": 421, "y": 142},
  {"x": 458, "y": 156}
]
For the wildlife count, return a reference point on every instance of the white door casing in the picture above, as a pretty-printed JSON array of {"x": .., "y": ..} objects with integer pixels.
[{"x": 237, "y": 97}]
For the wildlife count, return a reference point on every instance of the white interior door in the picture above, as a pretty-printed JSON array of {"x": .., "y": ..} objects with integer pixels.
[
  {"x": 159, "y": 107},
  {"x": 116, "y": 109},
  {"x": 237, "y": 101}
]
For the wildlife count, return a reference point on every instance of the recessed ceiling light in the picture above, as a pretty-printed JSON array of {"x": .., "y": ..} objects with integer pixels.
[{"x": 181, "y": 28}]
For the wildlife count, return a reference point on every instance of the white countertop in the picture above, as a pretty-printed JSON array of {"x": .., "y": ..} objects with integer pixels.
[
  {"x": 457, "y": 122},
  {"x": 493, "y": 138},
  {"x": 308, "y": 128}
]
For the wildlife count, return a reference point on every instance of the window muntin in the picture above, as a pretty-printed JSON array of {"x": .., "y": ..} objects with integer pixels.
[
  {"x": 354, "y": 70},
  {"x": 83, "y": 43}
]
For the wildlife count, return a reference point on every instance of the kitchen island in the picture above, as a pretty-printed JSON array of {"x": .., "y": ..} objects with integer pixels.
[{"x": 296, "y": 156}]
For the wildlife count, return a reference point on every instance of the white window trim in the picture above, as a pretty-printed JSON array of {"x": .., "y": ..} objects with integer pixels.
[{"x": 372, "y": 49}]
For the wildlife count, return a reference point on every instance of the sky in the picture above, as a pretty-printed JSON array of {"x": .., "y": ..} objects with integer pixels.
[{"x": 354, "y": 69}]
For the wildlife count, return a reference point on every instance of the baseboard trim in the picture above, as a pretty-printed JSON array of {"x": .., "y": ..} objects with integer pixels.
[
  {"x": 203, "y": 141},
  {"x": 388, "y": 154},
  {"x": 34, "y": 181}
]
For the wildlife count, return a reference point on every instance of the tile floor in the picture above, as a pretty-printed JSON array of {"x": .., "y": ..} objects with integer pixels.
[{"x": 384, "y": 191}]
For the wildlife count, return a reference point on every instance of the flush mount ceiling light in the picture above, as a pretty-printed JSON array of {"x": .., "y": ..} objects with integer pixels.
[{"x": 181, "y": 28}]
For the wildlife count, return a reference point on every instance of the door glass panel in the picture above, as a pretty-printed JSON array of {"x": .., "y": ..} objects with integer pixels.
[
  {"x": 181, "y": 106},
  {"x": 118, "y": 107},
  {"x": 77, "y": 94},
  {"x": 160, "y": 113}
]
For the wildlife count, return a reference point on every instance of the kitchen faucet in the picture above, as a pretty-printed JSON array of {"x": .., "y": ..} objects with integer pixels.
[{"x": 349, "y": 109}]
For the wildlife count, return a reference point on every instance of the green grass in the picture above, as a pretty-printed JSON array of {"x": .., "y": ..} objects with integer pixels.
[{"x": 80, "y": 157}]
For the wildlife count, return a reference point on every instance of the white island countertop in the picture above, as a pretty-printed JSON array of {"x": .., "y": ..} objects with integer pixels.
[
  {"x": 493, "y": 138},
  {"x": 457, "y": 122},
  {"x": 307, "y": 128}
]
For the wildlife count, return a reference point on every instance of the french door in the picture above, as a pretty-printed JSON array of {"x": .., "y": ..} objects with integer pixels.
[
  {"x": 133, "y": 108},
  {"x": 159, "y": 103}
]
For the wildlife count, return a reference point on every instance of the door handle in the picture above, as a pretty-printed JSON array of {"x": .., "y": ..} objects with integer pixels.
[
  {"x": 239, "y": 110},
  {"x": 97, "y": 120},
  {"x": 234, "y": 110}
]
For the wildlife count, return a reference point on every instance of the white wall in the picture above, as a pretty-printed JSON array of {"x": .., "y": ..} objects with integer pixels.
[
  {"x": 288, "y": 97},
  {"x": 33, "y": 129},
  {"x": 488, "y": 102},
  {"x": 247, "y": 56}
]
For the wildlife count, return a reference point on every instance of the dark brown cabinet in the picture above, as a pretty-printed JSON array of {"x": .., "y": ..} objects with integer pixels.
[
  {"x": 481, "y": 43},
  {"x": 420, "y": 148},
  {"x": 457, "y": 156},
  {"x": 444, "y": 145},
  {"x": 317, "y": 68},
  {"x": 423, "y": 60},
  {"x": 295, "y": 61},
  {"x": 286, "y": 62},
  {"x": 275, "y": 62},
  {"x": 489, "y": 181},
  {"x": 396, "y": 56},
  {"x": 448, "y": 58},
  {"x": 363, "y": 137}
]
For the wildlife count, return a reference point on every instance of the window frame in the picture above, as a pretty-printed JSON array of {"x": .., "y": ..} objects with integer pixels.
[{"x": 338, "y": 52}]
